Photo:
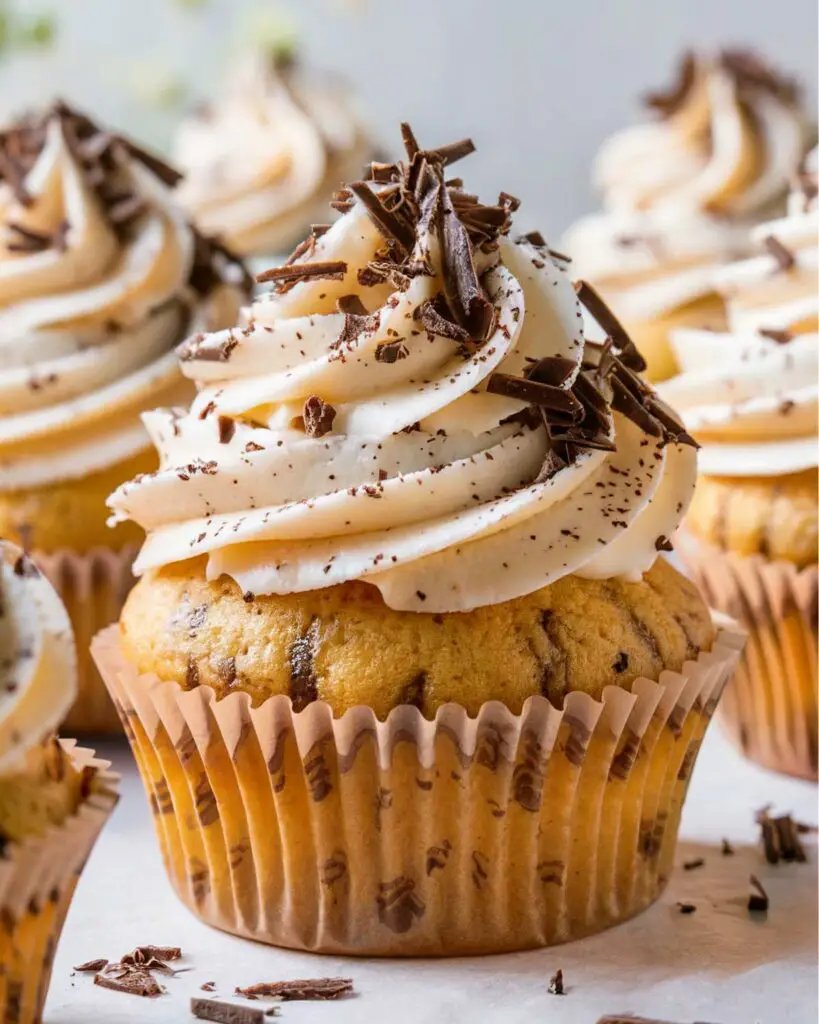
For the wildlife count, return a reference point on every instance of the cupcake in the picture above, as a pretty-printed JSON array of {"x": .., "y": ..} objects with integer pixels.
[
  {"x": 100, "y": 277},
  {"x": 54, "y": 797},
  {"x": 682, "y": 193},
  {"x": 751, "y": 395},
  {"x": 404, "y": 674},
  {"x": 297, "y": 135}
]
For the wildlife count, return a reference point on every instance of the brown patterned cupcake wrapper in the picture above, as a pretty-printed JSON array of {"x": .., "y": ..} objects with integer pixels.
[
  {"x": 416, "y": 837},
  {"x": 37, "y": 881},
  {"x": 771, "y": 710},
  {"x": 93, "y": 588}
]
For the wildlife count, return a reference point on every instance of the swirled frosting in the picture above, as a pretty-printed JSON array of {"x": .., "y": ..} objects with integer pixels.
[
  {"x": 415, "y": 405},
  {"x": 100, "y": 277},
  {"x": 682, "y": 193},
  {"x": 38, "y": 662},
  {"x": 261, "y": 163},
  {"x": 751, "y": 394}
]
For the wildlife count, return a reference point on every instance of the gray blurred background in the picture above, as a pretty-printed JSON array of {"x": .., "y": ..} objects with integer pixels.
[{"x": 537, "y": 83}]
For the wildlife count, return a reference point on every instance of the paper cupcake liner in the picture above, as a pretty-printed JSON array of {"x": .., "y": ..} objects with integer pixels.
[
  {"x": 37, "y": 881},
  {"x": 770, "y": 710},
  {"x": 411, "y": 837},
  {"x": 93, "y": 588}
]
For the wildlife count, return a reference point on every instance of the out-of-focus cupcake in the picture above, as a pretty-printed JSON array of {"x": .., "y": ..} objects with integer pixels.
[
  {"x": 54, "y": 797},
  {"x": 407, "y": 494},
  {"x": 751, "y": 397},
  {"x": 262, "y": 159},
  {"x": 682, "y": 192},
  {"x": 100, "y": 276}
]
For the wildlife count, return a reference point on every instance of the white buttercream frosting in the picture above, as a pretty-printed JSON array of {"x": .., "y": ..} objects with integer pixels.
[
  {"x": 262, "y": 160},
  {"x": 415, "y": 479},
  {"x": 100, "y": 275},
  {"x": 751, "y": 394},
  {"x": 38, "y": 661},
  {"x": 681, "y": 194}
]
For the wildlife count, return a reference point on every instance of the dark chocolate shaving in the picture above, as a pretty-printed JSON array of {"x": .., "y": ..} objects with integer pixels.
[
  {"x": 556, "y": 984},
  {"x": 219, "y": 1012},
  {"x": 692, "y": 865},
  {"x": 318, "y": 417},
  {"x": 662, "y": 543},
  {"x": 329, "y": 270},
  {"x": 758, "y": 901},
  {"x": 780, "y": 337},
  {"x": 555, "y": 399},
  {"x": 391, "y": 351},
  {"x": 623, "y": 345},
  {"x": 687, "y": 908},
  {"x": 671, "y": 100},
  {"x": 436, "y": 322},
  {"x": 92, "y": 966},
  {"x": 310, "y": 988},
  {"x": 780, "y": 838},
  {"x": 785, "y": 259}
]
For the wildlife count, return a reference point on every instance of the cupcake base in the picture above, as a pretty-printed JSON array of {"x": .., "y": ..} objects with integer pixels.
[
  {"x": 411, "y": 837},
  {"x": 771, "y": 709},
  {"x": 37, "y": 881},
  {"x": 93, "y": 588}
]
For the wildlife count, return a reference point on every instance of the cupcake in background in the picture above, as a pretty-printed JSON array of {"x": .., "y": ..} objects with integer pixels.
[
  {"x": 751, "y": 396},
  {"x": 100, "y": 276},
  {"x": 54, "y": 797},
  {"x": 261, "y": 161},
  {"x": 404, "y": 631},
  {"x": 682, "y": 192}
]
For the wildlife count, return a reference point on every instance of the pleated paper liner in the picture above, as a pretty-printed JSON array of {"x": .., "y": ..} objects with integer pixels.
[
  {"x": 770, "y": 710},
  {"x": 37, "y": 881},
  {"x": 412, "y": 837},
  {"x": 93, "y": 588}
]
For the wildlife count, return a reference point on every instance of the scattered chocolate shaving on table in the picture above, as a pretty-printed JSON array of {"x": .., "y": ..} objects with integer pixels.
[
  {"x": 92, "y": 966},
  {"x": 668, "y": 102},
  {"x": 785, "y": 259},
  {"x": 309, "y": 988},
  {"x": 692, "y": 865},
  {"x": 329, "y": 270},
  {"x": 209, "y": 986},
  {"x": 318, "y": 417},
  {"x": 727, "y": 850},
  {"x": 616, "y": 1018},
  {"x": 220, "y": 1012},
  {"x": 136, "y": 981},
  {"x": 780, "y": 837},
  {"x": 556, "y": 984},
  {"x": 758, "y": 901},
  {"x": 687, "y": 908}
]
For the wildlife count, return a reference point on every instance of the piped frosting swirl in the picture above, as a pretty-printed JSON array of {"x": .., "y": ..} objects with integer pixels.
[
  {"x": 262, "y": 161},
  {"x": 751, "y": 394},
  {"x": 38, "y": 662},
  {"x": 100, "y": 276},
  {"x": 414, "y": 404},
  {"x": 681, "y": 193}
]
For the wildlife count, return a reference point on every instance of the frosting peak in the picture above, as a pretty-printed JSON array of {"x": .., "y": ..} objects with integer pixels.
[
  {"x": 414, "y": 404},
  {"x": 682, "y": 192},
  {"x": 100, "y": 275},
  {"x": 261, "y": 162}
]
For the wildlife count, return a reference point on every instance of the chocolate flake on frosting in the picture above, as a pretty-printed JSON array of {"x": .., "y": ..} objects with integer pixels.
[
  {"x": 318, "y": 417},
  {"x": 785, "y": 259},
  {"x": 331, "y": 270},
  {"x": 772, "y": 334},
  {"x": 668, "y": 102}
]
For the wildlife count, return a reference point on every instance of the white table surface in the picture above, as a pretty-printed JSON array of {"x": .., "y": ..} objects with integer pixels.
[{"x": 716, "y": 965}]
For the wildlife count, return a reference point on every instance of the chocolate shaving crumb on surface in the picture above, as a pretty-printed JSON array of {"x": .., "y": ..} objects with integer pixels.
[
  {"x": 309, "y": 988},
  {"x": 318, "y": 417},
  {"x": 556, "y": 984},
  {"x": 225, "y": 1013},
  {"x": 758, "y": 901},
  {"x": 135, "y": 981},
  {"x": 692, "y": 865},
  {"x": 780, "y": 838},
  {"x": 686, "y": 908},
  {"x": 727, "y": 850},
  {"x": 92, "y": 966},
  {"x": 785, "y": 259}
]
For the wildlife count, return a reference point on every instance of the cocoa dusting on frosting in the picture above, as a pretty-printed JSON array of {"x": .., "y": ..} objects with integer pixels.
[{"x": 309, "y": 988}]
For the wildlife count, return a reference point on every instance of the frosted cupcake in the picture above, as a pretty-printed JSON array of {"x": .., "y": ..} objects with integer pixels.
[
  {"x": 262, "y": 160},
  {"x": 681, "y": 194},
  {"x": 54, "y": 797},
  {"x": 751, "y": 396},
  {"x": 401, "y": 596},
  {"x": 100, "y": 277}
]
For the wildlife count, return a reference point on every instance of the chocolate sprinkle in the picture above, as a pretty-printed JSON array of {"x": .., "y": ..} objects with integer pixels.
[
  {"x": 310, "y": 988},
  {"x": 785, "y": 259},
  {"x": 318, "y": 417}
]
